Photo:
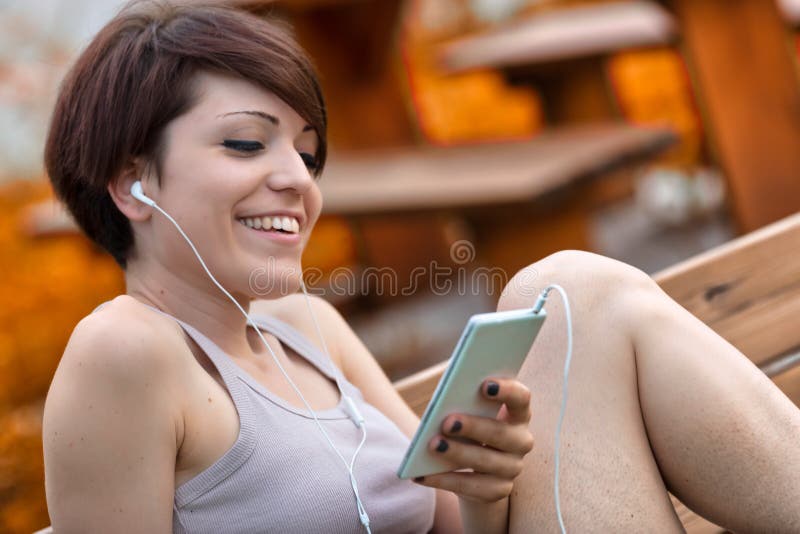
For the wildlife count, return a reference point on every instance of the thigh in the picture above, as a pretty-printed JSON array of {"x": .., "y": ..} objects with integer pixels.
[{"x": 609, "y": 479}]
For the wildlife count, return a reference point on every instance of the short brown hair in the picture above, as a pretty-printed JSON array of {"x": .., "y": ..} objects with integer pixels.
[{"x": 135, "y": 77}]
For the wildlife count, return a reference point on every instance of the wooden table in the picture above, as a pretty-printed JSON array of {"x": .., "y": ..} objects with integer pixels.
[
  {"x": 563, "y": 34},
  {"x": 516, "y": 201},
  {"x": 561, "y": 53},
  {"x": 417, "y": 179}
]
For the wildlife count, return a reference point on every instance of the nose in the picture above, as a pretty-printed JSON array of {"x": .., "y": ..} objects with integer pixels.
[{"x": 289, "y": 171}]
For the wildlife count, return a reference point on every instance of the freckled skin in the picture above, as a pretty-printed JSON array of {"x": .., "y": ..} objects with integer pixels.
[{"x": 633, "y": 418}]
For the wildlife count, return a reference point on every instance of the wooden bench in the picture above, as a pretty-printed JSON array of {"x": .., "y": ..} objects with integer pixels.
[{"x": 747, "y": 290}]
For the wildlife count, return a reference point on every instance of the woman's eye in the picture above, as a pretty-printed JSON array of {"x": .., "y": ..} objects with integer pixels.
[
  {"x": 242, "y": 146},
  {"x": 310, "y": 160}
]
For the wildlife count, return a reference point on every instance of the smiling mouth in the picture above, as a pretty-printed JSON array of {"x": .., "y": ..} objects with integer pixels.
[{"x": 285, "y": 225}]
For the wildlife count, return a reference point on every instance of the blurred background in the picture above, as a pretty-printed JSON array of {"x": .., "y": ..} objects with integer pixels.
[{"x": 468, "y": 138}]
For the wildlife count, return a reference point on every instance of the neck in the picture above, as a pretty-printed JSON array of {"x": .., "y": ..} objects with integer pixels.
[{"x": 193, "y": 298}]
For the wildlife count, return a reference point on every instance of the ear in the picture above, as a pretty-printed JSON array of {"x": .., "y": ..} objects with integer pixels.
[{"x": 120, "y": 191}]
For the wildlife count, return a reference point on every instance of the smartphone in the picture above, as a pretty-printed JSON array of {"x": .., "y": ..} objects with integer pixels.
[{"x": 491, "y": 345}]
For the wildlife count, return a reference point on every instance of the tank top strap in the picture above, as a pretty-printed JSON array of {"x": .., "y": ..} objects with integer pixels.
[
  {"x": 298, "y": 342},
  {"x": 227, "y": 369}
]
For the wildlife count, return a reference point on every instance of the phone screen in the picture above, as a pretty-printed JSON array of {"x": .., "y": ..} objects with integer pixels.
[{"x": 492, "y": 344}]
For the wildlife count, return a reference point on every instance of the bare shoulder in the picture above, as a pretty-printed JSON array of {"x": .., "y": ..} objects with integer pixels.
[
  {"x": 125, "y": 341},
  {"x": 122, "y": 352},
  {"x": 293, "y": 309},
  {"x": 117, "y": 389}
]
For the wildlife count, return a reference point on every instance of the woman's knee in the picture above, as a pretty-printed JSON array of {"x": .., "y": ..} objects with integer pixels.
[{"x": 586, "y": 277}]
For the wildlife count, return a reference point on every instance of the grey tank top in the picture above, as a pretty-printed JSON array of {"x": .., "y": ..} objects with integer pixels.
[{"x": 282, "y": 476}]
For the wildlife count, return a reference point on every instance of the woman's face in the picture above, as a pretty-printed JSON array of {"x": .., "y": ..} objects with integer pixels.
[{"x": 237, "y": 175}]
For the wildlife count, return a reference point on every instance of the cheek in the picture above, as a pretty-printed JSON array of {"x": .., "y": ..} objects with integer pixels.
[
  {"x": 210, "y": 187},
  {"x": 313, "y": 203}
]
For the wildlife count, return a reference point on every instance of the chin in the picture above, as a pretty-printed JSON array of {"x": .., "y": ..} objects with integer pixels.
[{"x": 274, "y": 279}]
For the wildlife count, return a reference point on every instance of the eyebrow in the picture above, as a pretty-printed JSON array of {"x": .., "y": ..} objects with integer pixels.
[{"x": 266, "y": 116}]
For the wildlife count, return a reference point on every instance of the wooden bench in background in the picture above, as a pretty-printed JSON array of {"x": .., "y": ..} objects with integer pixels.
[{"x": 747, "y": 290}]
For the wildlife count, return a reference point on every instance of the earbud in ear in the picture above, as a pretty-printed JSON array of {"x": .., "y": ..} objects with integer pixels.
[{"x": 138, "y": 194}]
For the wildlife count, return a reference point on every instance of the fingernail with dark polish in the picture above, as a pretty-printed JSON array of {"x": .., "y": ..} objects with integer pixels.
[
  {"x": 442, "y": 446},
  {"x": 419, "y": 479},
  {"x": 456, "y": 426},
  {"x": 492, "y": 389}
]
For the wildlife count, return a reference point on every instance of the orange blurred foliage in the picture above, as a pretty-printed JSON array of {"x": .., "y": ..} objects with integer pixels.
[
  {"x": 467, "y": 107},
  {"x": 652, "y": 87},
  {"x": 47, "y": 284}
]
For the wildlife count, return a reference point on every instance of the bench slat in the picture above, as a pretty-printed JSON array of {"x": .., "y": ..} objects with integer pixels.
[{"x": 747, "y": 290}]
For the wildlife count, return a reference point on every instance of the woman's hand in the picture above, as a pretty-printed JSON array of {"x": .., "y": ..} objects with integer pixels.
[{"x": 496, "y": 448}]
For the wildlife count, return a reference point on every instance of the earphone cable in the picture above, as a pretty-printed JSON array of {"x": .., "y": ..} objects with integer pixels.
[
  {"x": 557, "y": 461},
  {"x": 363, "y": 517},
  {"x": 352, "y": 409}
]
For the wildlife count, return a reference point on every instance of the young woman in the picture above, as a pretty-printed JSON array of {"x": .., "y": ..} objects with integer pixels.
[{"x": 168, "y": 412}]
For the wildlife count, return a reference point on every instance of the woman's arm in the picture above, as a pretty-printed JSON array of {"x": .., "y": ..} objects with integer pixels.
[{"x": 111, "y": 431}]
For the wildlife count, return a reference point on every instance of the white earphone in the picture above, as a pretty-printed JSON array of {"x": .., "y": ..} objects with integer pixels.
[
  {"x": 138, "y": 194},
  {"x": 350, "y": 406}
]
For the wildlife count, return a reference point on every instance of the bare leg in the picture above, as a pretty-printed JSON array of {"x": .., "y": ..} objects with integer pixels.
[{"x": 657, "y": 402}]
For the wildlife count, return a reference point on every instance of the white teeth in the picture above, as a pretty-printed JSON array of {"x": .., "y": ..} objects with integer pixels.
[{"x": 287, "y": 224}]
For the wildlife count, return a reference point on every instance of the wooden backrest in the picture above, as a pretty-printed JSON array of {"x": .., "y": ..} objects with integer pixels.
[{"x": 747, "y": 290}]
